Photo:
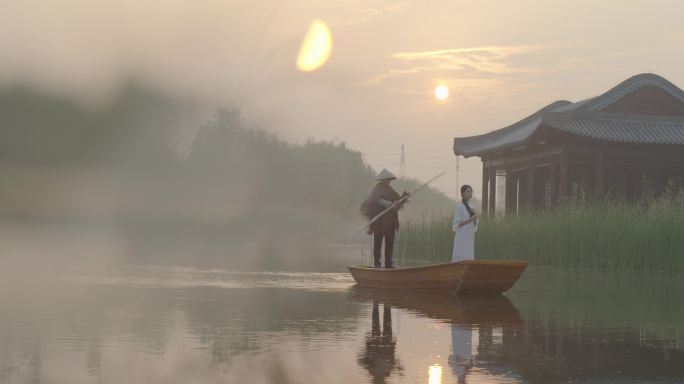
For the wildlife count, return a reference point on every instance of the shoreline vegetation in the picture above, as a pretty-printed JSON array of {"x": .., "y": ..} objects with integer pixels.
[{"x": 603, "y": 235}]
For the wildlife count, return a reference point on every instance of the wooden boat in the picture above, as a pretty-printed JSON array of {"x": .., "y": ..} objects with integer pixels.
[{"x": 480, "y": 276}]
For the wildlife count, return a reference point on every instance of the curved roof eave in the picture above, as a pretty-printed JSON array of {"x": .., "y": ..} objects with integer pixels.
[{"x": 511, "y": 135}]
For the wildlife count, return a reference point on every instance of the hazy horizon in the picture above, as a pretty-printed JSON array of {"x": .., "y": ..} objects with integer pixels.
[{"x": 501, "y": 61}]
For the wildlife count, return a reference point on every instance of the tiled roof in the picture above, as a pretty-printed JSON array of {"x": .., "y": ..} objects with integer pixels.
[
  {"x": 620, "y": 128},
  {"x": 584, "y": 118}
]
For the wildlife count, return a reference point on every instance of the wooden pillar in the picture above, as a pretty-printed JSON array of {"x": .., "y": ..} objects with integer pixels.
[
  {"x": 563, "y": 182},
  {"x": 492, "y": 192},
  {"x": 600, "y": 173},
  {"x": 553, "y": 181},
  {"x": 485, "y": 190},
  {"x": 632, "y": 181},
  {"x": 643, "y": 182},
  {"x": 532, "y": 195},
  {"x": 658, "y": 181},
  {"x": 510, "y": 189}
]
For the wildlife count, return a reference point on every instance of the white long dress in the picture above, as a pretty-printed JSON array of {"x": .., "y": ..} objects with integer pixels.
[{"x": 464, "y": 237}]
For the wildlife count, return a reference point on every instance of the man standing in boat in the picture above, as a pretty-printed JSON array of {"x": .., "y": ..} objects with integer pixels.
[{"x": 382, "y": 197}]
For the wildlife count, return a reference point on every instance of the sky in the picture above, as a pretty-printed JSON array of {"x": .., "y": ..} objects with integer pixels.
[{"x": 502, "y": 60}]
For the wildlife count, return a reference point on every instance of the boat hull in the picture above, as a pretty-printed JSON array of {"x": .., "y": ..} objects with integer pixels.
[{"x": 477, "y": 276}]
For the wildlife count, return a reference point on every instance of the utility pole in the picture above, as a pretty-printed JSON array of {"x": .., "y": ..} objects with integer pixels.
[
  {"x": 402, "y": 164},
  {"x": 458, "y": 185}
]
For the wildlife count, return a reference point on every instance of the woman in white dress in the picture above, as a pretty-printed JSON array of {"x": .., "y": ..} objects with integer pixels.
[{"x": 464, "y": 227}]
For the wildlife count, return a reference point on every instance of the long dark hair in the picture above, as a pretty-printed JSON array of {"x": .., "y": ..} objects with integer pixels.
[{"x": 464, "y": 188}]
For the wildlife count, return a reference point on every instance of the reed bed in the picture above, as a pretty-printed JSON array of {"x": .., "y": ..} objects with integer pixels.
[{"x": 605, "y": 235}]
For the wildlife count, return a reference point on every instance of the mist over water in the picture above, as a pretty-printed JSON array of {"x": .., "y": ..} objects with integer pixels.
[
  {"x": 174, "y": 325},
  {"x": 114, "y": 186}
]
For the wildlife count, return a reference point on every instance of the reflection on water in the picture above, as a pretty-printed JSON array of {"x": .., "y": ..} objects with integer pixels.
[
  {"x": 461, "y": 359},
  {"x": 473, "y": 324},
  {"x": 435, "y": 374},
  {"x": 171, "y": 325},
  {"x": 378, "y": 355}
]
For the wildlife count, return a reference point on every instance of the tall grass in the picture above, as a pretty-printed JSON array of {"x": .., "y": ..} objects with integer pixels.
[{"x": 606, "y": 235}]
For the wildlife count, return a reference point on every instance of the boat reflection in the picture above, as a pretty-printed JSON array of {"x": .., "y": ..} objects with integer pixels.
[
  {"x": 477, "y": 324},
  {"x": 458, "y": 309}
]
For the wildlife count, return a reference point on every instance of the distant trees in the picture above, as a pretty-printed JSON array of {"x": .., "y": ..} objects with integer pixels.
[
  {"x": 135, "y": 134},
  {"x": 38, "y": 130},
  {"x": 318, "y": 174},
  {"x": 322, "y": 175}
]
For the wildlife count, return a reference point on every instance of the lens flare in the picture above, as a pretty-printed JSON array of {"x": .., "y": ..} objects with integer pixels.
[{"x": 316, "y": 47}]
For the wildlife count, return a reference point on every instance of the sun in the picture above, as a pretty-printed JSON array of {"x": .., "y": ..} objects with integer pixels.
[{"x": 441, "y": 92}]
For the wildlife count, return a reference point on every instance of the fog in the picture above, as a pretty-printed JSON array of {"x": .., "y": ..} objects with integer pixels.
[
  {"x": 501, "y": 62},
  {"x": 114, "y": 185},
  {"x": 179, "y": 202},
  {"x": 114, "y": 148}
]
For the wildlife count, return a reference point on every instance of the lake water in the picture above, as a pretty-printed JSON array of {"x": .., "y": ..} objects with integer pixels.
[{"x": 146, "y": 324}]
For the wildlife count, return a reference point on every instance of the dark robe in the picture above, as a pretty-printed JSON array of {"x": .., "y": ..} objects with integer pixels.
[{"x": 389, "y": 222}]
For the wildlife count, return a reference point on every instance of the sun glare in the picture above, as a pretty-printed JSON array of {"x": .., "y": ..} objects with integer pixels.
[
  {"x": 442, "y": 92},
  {"x": 316, "y": 47},
  {"x": 435, "y": 374}
]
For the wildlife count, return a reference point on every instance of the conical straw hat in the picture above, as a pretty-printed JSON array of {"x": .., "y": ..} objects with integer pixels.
[{"x": 384, "y": 175}]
